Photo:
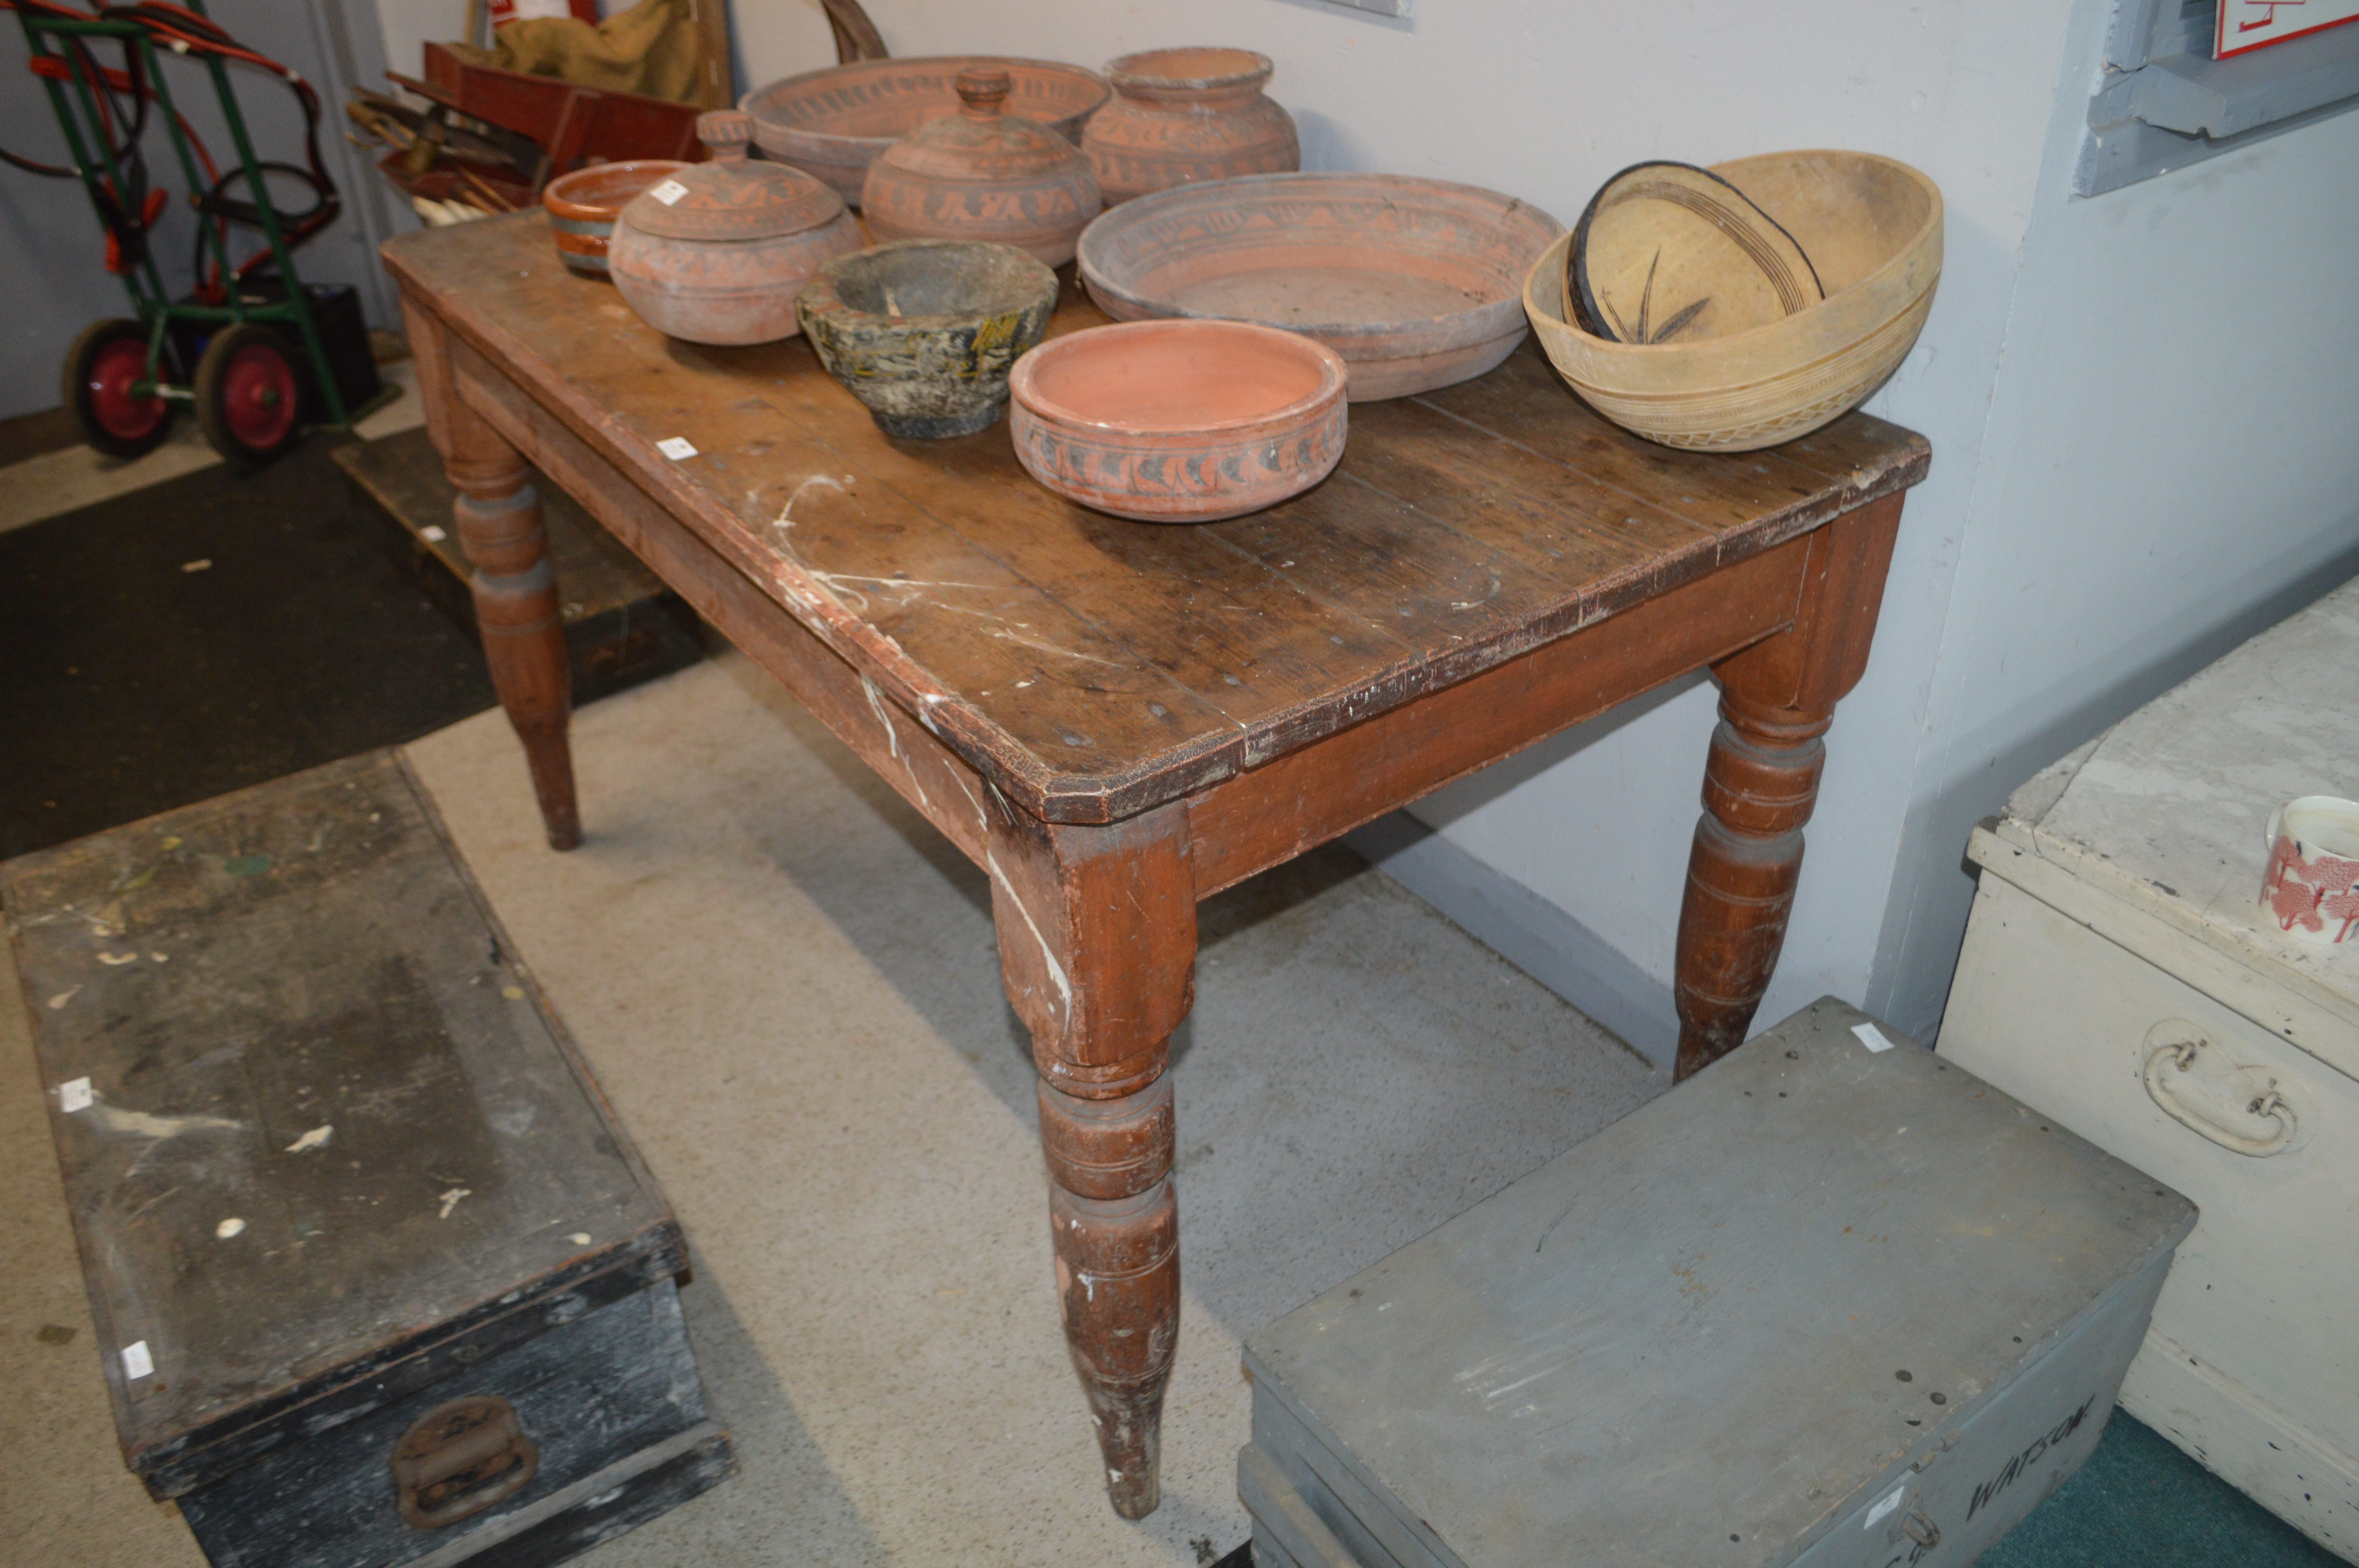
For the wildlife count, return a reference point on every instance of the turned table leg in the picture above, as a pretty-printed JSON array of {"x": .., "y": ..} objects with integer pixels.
[
  {"x": 515, "y": 592},
  {"x": 517, "y": 609},
  {"x": 1761, "y": 781},
  {"x": 1097, "y": 941}
]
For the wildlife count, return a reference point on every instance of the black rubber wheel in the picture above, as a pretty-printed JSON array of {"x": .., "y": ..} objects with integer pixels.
[
  {"x": 100, "y": 368},
  {"x": 249, "y": 391}
]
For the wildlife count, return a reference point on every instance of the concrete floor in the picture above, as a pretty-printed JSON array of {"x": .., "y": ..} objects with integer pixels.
[{"x": 786, "y": 982}]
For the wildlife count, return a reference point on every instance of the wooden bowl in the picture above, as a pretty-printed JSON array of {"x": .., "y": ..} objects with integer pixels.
[
  {"x": 1179, "y": 421},
  {"x": 1413, "y": 281},
  {"x": 582, "y": 207},
  {"x": 1872, "y": 228},
  {"x": 923, "y": 333},
  {"x": 834, "y": 122}
]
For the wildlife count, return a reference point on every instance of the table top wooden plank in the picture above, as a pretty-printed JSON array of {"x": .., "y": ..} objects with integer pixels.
[
  {"x": 1093, "y": 667},
  {"x": 1856, "y": 458},
  {"x": 1559, "y": 520},
  {"x": 821, "y": 516},
  {"x": 1246, "y": 641}
]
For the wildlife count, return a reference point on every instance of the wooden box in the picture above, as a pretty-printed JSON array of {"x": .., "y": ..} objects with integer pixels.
[
  {"x": 623, "y": 626},
  {"x": 377, "y": 1279},
  {"x": 2121, "y": 974},
  {"x": 1822, "y": 1304}
]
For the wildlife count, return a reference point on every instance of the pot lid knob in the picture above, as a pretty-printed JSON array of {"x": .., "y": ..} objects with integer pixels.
[
  {"x": 725, "y": 132},
  {"x": 982, "y": 89}
]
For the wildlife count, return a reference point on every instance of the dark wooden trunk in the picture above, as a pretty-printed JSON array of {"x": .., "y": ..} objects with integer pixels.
[
  {"x": 334, "y": 1162},
  {"x": 623, "y": 626}
]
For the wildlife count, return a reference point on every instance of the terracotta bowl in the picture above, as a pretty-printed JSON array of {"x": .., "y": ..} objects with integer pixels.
[
  {"x": 834, "y": 122},
  {"x": 1180, "y": 421},
  {"x": 923, "y": 333},
  {"x": 582, "y": 207},
  {"x": 1415, "y": 282},
  {"x": 1872, "y": 228}
]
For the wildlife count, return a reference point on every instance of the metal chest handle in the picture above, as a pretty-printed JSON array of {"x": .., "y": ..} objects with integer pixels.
[
  {"x": 460, "y": 1458},
  {"x": 2179, "y": 1056}
]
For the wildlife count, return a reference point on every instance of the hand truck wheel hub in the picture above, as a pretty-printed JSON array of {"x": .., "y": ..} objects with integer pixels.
[{"x": 111, "y": 391}]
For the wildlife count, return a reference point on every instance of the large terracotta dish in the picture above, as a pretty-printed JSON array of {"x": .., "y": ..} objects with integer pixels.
[
  {"x": 1873, "y": 230},
  {"x": 834, "y": 122},
  {"x": 1179, "y": 421},
  {"x": 1415, "y": 282}
]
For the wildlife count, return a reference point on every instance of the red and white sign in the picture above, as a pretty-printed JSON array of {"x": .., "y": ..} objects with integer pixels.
[
  {"x": 507, "y": 11},
  {"x": 2248, "y": 25}
]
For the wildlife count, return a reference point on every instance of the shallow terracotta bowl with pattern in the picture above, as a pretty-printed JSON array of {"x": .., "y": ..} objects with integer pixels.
[
  {"x": 1872, "y": 228},
  {"x": 582, "y": 207},
  {"x": 1180, "y": 421}
]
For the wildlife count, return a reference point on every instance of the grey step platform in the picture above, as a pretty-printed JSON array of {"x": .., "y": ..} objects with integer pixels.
[{"x": 1822, "y": 1304}]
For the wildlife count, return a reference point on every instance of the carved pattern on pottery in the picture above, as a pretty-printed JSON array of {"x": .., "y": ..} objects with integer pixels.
[
  {"x": 1049, "y": 100},
  {"x": 1113, "y": 469}
]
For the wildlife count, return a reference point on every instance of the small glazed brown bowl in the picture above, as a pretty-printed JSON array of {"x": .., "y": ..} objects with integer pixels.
[
  {"x": 1180, "y": 421},
  {"x": 582, "y": 207}
]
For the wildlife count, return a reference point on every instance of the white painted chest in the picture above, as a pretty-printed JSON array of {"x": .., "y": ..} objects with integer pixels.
[{"x": 2121, "y": 975}]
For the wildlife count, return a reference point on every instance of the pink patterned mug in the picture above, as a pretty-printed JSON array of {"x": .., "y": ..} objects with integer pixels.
[{"x": 2312, "y": 885}]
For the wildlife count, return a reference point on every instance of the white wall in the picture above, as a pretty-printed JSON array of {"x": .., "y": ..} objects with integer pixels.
[
  {"x": 410, "y": 25},
  {"x": 771, "y": 38},
  {"x": 2172, "y": 467}
]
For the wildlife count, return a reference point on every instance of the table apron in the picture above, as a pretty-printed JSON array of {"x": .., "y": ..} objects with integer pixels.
[
  {"x": 1246, "y": 824},
  {"x": 1242, "y": 825},
  {"x": 929, "y": 775}
]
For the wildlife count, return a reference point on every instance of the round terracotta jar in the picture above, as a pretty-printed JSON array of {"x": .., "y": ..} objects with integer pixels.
[
  {"x": 983, "y": 174},
  {"x": 717, "y": 252},
  {"x": 1184, "y": 116}
]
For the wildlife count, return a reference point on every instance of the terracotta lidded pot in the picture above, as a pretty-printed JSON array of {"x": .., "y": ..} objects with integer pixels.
[
  {"x": 983, "y": 174},
  {"x": 717, "y": 252},
  {"x": 1182, "y": 116}
]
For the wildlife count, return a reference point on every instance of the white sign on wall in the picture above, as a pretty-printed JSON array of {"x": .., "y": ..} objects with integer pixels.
[{"x": 2248, "y": 25}]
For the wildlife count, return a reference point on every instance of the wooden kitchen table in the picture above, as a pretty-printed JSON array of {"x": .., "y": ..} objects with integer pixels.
[{"x": 1116, "y": 719}]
